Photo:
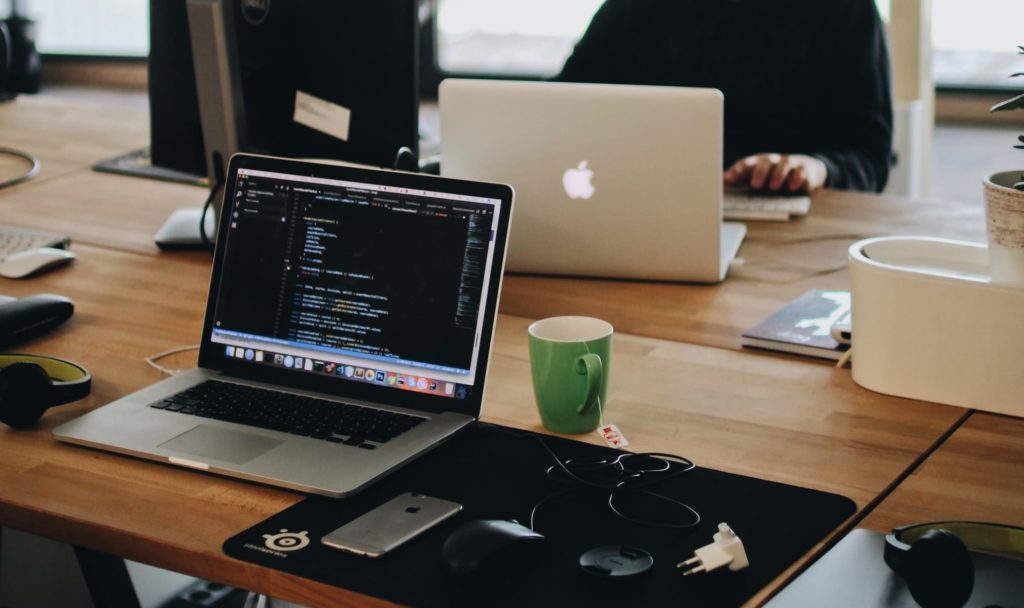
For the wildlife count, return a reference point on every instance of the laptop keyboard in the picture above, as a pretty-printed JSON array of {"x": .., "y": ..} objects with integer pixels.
[{"x": 345, "y": 423}]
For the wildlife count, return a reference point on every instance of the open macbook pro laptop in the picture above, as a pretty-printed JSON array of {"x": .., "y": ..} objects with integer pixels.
[
  {"x": 611, "y": 180},
  {"x": 348, "y": 329}
]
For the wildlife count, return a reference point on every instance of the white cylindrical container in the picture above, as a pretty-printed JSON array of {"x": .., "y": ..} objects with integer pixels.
[{"x": 930, "y": 324}]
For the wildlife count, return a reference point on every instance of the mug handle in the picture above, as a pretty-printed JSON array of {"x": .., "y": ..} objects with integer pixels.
[{"x": 591, "y": 366}]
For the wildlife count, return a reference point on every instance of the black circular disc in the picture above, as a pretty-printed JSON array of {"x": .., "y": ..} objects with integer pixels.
[{"x": 616, "y": 560}]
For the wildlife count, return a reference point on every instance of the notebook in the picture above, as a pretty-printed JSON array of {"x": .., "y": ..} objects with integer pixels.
[
  {"x": 348, "y": 329},
  {"x": 611, "y": 180},
  {"x": 805, "y": 326}
]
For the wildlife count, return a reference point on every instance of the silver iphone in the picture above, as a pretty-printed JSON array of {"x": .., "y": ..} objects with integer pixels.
[{"x": 403, "y": 517}]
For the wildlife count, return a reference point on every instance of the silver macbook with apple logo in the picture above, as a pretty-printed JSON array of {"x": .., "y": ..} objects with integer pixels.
[
  {"x": 348, "y": 329},
  {"x": 611, "y": 180}
]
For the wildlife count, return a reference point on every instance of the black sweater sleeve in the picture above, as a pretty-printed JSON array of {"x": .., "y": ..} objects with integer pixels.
[{"x": 858, "y": 148}]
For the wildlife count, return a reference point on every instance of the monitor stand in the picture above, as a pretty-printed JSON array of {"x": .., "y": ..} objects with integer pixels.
[
  {"x": 221, "y": 113},
  {"x": 139, "y": 163},
  {"x": 181, "y": 229}
]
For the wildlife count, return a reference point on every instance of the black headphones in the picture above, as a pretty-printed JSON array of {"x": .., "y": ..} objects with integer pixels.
[
  {"x": 20, "y": 61},
  {"x": 934, "y": 561},
  {"x": 5, "y": 61},
  {"x": 30, "y": 384}
]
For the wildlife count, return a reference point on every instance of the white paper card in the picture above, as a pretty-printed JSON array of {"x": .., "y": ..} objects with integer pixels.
[{"x": 322, "y": 115}]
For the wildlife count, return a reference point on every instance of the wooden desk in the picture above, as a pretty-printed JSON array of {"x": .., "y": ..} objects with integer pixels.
[
  {"x": 781, "y": 260},
  {"x": 68, "y": 133},
  {"x": 786, "y": 420},
  {"x": 780, "y": 418},
  {"x": 977, "y": 474}
]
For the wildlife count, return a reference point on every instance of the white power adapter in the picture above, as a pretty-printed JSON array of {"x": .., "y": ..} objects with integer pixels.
[{"x": 727, "y": 550}]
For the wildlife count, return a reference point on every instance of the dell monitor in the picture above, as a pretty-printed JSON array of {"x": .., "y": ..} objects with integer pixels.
[
  {"x": 329, "y": 79},
  {"x": 321, "y": 79}
]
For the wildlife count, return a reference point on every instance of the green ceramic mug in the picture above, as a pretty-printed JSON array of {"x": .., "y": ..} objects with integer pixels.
[{"x": 570, "y": 358}]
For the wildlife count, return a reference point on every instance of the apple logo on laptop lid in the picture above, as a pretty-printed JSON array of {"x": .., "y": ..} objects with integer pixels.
[{"x": 577, "y": 181}]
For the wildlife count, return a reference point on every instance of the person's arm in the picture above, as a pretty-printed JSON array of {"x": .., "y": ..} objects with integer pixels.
[
  {"x": 854, "y": 114},
  {"x": 859, "y": 149}
]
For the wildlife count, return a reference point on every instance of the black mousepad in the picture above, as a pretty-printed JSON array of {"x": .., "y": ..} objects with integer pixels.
[{"x": 499, "y": 473}]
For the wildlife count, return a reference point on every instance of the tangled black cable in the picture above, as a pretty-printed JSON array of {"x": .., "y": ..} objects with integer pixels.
[
  {"x": 215, "y": 191},
  {"x": 626, "y": 472},
  {"x": 218, "y": 181}
]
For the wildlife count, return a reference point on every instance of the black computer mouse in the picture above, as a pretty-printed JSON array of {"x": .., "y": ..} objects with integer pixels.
[{"x": 487, "y": 548}]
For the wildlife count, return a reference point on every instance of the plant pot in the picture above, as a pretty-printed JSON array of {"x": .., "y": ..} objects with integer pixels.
[{"x": 1004, "y": 220}]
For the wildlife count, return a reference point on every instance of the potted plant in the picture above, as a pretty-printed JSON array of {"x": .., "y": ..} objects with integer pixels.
[{"x": 1004, "y": 212}]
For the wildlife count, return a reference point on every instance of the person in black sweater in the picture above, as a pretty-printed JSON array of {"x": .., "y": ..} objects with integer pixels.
[{"x": 806, "y": 82}]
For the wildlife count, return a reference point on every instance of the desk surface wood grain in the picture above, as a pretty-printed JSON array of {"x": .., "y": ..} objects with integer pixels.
[
  {"x": 779, "y": 260},
  {"x": 787, "y": 420},
  {"x": 772, "y": 416},
  {"x": 977, "y": 475},
  {"x": 67, "y": 134}
]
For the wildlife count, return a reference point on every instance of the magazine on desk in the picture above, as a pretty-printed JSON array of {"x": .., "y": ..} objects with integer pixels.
[{"x": 804, "y": 326}]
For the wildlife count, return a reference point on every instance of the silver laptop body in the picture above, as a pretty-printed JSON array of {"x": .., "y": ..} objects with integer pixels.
[
  {"x": 353, "y": 286},
  {"x": 853, "y": 574},
  {"x": 611, "y": 180}
]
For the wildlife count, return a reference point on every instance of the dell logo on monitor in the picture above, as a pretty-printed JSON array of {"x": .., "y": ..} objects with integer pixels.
[{"x": 255, "y": 11}]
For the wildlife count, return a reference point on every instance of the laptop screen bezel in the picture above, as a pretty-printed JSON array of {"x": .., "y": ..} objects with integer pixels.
[{"x": 211, "y": 354}]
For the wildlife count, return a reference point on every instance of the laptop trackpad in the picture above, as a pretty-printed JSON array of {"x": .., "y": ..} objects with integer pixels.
[{"x": 221, "y": 444}]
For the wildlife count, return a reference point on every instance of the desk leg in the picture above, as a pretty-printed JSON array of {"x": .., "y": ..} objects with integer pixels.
[{"x": 107, "y": 578}]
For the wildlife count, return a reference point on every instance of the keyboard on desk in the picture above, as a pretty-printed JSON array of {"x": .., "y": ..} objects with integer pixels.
[
  {"x": 764, "y": 207},
  {"x": 365, "y": 427},
  {"x": 15, "y": 240}
]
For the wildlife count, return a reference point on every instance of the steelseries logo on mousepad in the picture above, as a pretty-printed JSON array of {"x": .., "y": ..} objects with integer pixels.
[{"x": 281, "y": 543}]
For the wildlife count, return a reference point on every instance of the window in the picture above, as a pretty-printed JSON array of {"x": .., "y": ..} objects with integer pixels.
[
  {"x": 118, "y": 28},
  {"x": 975, "y": 43},
  {"x": 509, "y": 37},
  {"x": 515, "y": 37}
]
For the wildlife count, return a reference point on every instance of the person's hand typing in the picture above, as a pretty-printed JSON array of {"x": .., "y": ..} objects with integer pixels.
[{"x": 777, "y": 172}]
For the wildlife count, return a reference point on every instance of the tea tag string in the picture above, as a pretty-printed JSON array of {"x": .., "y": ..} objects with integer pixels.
[{"x": 609, "y": 432}]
